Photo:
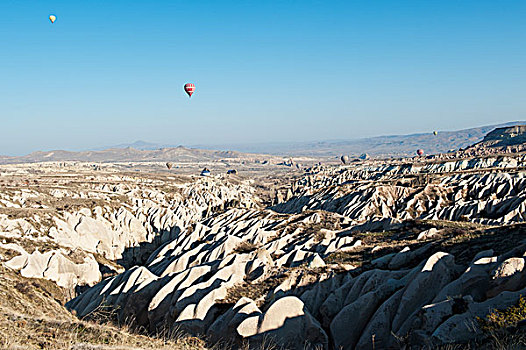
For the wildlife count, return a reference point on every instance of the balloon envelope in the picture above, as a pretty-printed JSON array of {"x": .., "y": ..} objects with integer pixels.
[
  {"x": 344, "y": 159},
  {"x": 52, "y": 18},
  {"x": 435, "y": 133},
  {"x": 420, "y": 152},
  {"x": 189, "y": 88},
  {"x": 169, "y": 165}
]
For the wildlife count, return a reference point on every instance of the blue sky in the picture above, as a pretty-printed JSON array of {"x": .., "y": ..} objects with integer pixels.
[{"x": 110, "y": 72}]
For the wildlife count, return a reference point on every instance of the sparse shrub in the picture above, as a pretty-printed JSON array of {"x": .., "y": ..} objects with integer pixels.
[
  {"x": 355, "y": 258},
  {"x": 245, "y": 247},
  {"x": 501, "y": 319},
  {"x": 464, "y": 218},
  {"x": 319, "y": 236},
  {"x": 23, "y": 287}
]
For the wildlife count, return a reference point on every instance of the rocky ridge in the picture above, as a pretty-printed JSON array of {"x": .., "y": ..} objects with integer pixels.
[
  {"x": 418, "y": 250},
  {"x": 75, "y": 229}
]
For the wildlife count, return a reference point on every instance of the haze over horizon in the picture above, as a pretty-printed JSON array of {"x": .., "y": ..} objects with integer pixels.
[
  {"x": 110, "y": 73},
  {"x": 383, "y": 145}
]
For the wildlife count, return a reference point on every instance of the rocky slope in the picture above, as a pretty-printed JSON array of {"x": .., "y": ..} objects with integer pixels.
[
  {"x": 371, "y": 255},
  {"x": 74, "y": 225},
  {"x": 513, "y": 135},
  {"x": 32, "y": 317}
]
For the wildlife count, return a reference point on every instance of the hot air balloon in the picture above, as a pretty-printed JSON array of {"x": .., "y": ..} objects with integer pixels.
[
  {"x": 52, "y": 18},
  {"x": 420, "y": 152},
  {"x": 344, "y": 159},
  {"x": 189, "y": 88},
  {"x": 435, "y": 133},
  {"x": 169, "y": 165}
]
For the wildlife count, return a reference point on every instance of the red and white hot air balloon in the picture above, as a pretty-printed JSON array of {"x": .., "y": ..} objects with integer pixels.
[
  {"x": 420, "y": 152},
  {"x": 189, "y": 88}
]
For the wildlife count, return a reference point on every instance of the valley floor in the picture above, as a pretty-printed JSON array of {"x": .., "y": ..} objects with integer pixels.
[{"x": 409, "y": 253}]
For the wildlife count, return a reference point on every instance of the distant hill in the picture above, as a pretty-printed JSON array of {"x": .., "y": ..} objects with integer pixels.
[
  {"x": 385, "y": 146},
  {"x": 380, "y": 146},
  {"x": 507, "y": 136},
  {"x": 177, "y": 154}
]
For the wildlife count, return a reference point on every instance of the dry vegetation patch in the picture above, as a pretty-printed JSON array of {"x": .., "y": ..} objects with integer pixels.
[
  {"x": 462, "y": 239},
  {"x": 32, "y": 317},
  {"x": 255, "y": 291},
  {"x": 245, "y": 247}
]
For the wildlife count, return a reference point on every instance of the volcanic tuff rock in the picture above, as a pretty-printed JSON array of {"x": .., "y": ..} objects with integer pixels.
[
  {"x": 373, "y": 253},
  {"x": 359, "y": 256},
  {"x": 72, "y": 232}
]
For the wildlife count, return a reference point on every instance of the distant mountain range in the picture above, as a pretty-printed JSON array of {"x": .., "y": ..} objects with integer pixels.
[
  {"x": 393, "y": 145},
  {"x": 128, "y": 154},
  {"x": 380, "y": 146}
]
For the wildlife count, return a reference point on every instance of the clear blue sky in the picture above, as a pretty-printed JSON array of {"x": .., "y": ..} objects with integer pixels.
[{"x": 109, "y": 72}]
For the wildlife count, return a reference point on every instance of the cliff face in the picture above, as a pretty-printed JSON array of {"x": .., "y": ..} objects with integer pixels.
[
  {"x": 508, "y": 136},
  {"x": 506, "y": 140}
]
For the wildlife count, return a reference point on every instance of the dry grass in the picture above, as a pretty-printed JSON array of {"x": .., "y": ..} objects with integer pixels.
[
  {"x": 32, "y": 317},
  {"x": 499, "y": 320},
  {"x": 255, "y": 291},
  {"x": 30, "y": 245},
  {"x": 502, "y": 341},
  {"x": 462, "y": 239},
  {"x": 44, "y": 333},
  {"x": 245, "y": 247}
]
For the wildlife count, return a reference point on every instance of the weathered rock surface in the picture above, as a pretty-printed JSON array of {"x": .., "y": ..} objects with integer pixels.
[
  {"x": 289, "y": 323},
  {"x": 352, "y": 257}
]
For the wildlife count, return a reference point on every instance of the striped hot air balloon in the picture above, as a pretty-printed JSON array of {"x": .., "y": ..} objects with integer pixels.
[{"x": 189, "y": 88}]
